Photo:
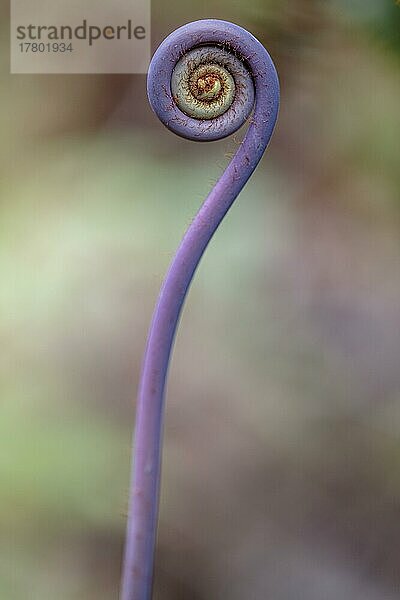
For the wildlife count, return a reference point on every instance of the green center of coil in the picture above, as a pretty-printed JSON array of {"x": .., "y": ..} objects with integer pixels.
[{"x": 203, "y": 91}]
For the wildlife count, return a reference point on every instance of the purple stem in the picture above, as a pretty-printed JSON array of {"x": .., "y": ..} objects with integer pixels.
[{"x": 138, "y": 566}]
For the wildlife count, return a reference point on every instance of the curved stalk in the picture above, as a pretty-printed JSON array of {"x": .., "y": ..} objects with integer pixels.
[{"x": 221, "y": 37}]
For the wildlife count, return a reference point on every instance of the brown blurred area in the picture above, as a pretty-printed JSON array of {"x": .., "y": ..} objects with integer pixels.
[{"x": 282, "y": 449}]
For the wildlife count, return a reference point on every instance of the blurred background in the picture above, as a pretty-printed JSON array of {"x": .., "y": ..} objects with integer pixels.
[{"x": 281, "y": 471}]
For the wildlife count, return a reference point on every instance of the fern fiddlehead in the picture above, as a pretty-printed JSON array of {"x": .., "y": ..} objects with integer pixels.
[{"x": 203, "y": 82}]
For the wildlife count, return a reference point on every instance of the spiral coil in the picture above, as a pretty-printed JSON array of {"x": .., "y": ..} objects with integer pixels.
[{"x": 204, "y": 78}]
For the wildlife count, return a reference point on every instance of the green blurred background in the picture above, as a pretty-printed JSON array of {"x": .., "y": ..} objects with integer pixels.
[{"x": 281, "y": 472}]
